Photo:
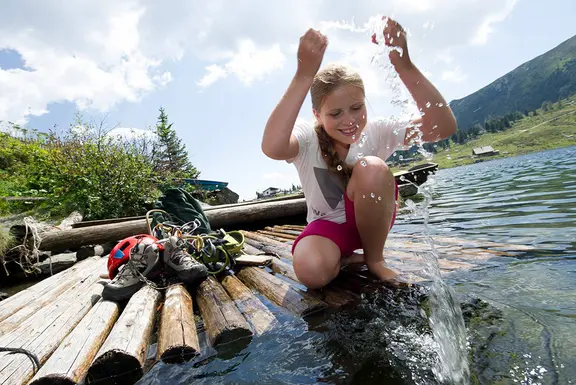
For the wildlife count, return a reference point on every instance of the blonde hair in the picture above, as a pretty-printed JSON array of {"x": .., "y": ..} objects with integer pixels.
[{"x": 325, "y": 82}]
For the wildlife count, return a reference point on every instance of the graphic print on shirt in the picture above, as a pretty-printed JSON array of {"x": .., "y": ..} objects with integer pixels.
[{"x": 330, "y": 185}]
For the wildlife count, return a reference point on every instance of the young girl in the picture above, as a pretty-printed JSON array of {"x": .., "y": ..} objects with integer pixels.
[{"x": 350, "y": 191}]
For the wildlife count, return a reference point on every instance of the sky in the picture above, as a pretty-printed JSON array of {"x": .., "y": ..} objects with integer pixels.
[{"x": 220, "y": 67}]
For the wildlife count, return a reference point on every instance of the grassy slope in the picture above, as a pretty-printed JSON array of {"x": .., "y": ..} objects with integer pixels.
[{"x": 548, "y": 130}]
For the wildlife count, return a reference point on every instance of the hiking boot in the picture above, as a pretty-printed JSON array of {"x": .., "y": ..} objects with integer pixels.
[
  {"x": 143, "y": 262},
  {"x": 180, "y": 263}
]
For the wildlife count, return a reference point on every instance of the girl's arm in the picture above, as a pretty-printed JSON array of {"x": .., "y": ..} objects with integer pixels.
[
  {"x": 438, "y": 121},
  {"x": 278, "y": 142}
]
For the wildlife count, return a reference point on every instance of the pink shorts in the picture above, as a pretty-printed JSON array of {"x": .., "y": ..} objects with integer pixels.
[{"x": 345, "y": 235}]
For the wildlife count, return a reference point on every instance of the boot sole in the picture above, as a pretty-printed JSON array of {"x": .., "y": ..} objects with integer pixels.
[
  {"x": 188, "y": 277},
  {"x": 117, "y": 295}
]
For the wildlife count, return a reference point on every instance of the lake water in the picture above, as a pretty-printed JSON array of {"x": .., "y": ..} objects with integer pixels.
[{"x": 524, "y": 336}]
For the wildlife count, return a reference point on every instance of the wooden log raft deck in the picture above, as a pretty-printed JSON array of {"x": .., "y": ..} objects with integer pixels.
[{"x": 78, "y": 337}]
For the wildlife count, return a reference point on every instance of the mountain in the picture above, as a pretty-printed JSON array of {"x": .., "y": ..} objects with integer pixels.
[{"x": 548, "y": 77}]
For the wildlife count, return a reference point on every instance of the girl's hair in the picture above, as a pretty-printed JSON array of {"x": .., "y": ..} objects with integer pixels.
[{"x": 326, "y": 81}]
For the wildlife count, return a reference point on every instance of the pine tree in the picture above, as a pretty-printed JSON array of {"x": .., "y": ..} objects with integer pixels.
[{"x": 170, "y": 155}]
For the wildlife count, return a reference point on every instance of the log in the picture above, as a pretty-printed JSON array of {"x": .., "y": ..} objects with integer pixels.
[
  {"x": 280, "y": 292},
  {"x": 59, "y": 240},
  {"x": 279, "y": 230},
  {"x": 120, "y": 360},
  {"x": 13, "y": 321},
  {"x": 282, "y": 250},
  {"x": 253, "y": 309},
  {"x": 283, "y": 268},
  {"x": 177, "y": 338},
  {"x": 251, "y": 250},
  {"x": 56, "y": 263},
  {"x": 94, "y": 250},
  {"x": 47, "y": 290},
  {"x": 44, "y": 332},
  {"x": 277, "y": 235},
  {"x": 261, "y": 211},
  {"x": 70, "y": 362},
  {"x": 297, "y": 228},
  {"x": 222, "y": 320},
  {"x": 261, "y": 238},
  {"x": 331, "y": 295}
]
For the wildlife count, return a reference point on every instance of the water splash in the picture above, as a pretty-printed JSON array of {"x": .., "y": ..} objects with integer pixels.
[{"x": 445, "y": 319}]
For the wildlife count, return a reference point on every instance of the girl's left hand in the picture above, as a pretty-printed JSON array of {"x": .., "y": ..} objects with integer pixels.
[{"x": 395, "y": 36}]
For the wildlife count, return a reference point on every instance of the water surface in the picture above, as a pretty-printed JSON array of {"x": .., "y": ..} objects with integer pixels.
[{"x": 526, "y": 331}]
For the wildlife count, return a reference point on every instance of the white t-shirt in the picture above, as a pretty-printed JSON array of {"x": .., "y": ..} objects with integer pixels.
[{"x": 323, "y": 190}]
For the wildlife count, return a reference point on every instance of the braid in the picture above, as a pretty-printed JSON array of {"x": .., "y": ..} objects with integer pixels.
[{"x": 331, "y": 156}]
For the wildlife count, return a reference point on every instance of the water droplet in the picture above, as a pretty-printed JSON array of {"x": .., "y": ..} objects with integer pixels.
[
  {"x": 339, "y": 168},
  {"x": 440, "y": 104},
  {"x": 363, "y": 139},
  {"x": 363, "y": 163},
  {"x": 364, "y": 196},
  {"x": 428, "y": 105},
  {"x": 354, "y": 137},
  {"x": 372, "y": 195}
]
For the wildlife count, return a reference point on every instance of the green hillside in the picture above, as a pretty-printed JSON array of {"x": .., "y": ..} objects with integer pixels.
[
  {"x": 548, "y": 130},
  {"x": 548, "y": 77}
]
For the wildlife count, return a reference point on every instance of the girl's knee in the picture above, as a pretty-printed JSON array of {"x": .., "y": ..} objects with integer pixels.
[
  {"x": 313, "y": 269},
  {"x": 369, "y": 172}
]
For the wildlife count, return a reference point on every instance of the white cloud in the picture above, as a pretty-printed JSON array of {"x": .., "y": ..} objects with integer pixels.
[
  {"x": 100, "y": 54},
  {"x": 248, "y": 63},
  {"x": 455, "y": 75},
  {"x": 486, "y": 28}
]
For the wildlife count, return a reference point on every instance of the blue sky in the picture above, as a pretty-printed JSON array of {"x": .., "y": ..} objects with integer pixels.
[{"x": 220, "y": 67}]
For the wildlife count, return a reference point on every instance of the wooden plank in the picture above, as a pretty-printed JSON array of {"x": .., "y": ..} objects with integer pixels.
[
  {"x": 251, "y": 250},
  {"x": 283, "y": 268},
  {"x": 254, "y": 260},
  {"x": 70, "y": 361},
  {"x": 280, "y": 292},
  {"x": 120, "y": 359},
  {"x": 331, "y": 295},
  {"x": 280, "y": 230},
  {"x": 253, "y": 309},
  {"x": 15, "y": 320},
  {"x": 44, "y": 332},
  {"x": 222, "y": 319},
  {"x": 261, "y": 238},
  {"x": 282, "y": 250},
  {"x": 277, "y": 236},
  {"x": 177, "y": 338},
  {"x": 54, "y": 285}
]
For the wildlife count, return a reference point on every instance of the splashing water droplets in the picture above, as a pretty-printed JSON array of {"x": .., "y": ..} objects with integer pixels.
[
  {"x": 372, "y": 195},
  {"x": 339, "y": 168},
  {"x": 363, "y": 163},
  {"x": 379, "y": 198},
  {"x": 428, "y": 105},
  {"x": 363, "y": 138}
]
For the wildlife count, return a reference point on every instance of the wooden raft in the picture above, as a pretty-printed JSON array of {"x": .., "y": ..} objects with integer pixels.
[{"x": 78, "y": 337}]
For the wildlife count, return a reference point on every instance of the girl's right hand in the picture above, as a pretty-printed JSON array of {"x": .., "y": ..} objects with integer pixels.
[{"x": 311, "y": 52}]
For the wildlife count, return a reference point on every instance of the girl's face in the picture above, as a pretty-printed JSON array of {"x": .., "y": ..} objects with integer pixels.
[{"x": 343, "y": 114}]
